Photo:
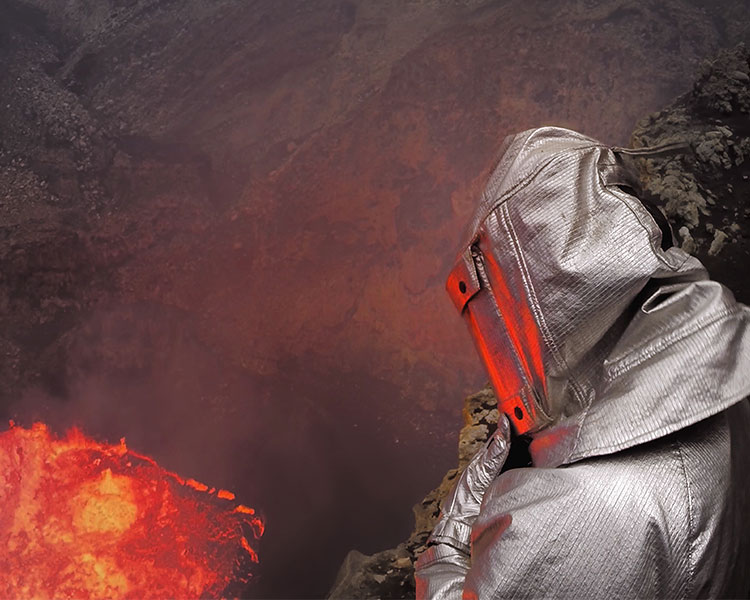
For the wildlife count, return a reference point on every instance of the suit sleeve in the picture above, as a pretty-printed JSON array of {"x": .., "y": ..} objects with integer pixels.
[
  {"x": 440, "y": 572},
  {"x": 583, "y": 531}
]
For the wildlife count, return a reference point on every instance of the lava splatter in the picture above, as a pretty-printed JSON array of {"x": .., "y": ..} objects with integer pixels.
[{"x": 84, "y": 519}]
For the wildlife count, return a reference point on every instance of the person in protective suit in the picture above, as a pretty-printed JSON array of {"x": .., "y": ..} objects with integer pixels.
[{"x": 626, "y": 368}]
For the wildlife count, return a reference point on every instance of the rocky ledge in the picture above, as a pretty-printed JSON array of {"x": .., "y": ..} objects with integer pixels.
[
  {"x": 703, "y": 191},
  {"x": 390, "y": 574}
]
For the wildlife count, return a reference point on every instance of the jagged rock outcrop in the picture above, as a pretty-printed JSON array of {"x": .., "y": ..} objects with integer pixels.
[
  {"x": 223, "y": 225},
  {"x": 705, "y": 193},
  {"x": 390, "y": 574}
]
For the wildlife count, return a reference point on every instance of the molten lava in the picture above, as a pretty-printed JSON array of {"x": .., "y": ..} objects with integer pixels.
[{"x": 83, "y": 519}]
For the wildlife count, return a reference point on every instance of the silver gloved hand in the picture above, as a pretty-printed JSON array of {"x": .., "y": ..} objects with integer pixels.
[{"x": 461, "y": 507}]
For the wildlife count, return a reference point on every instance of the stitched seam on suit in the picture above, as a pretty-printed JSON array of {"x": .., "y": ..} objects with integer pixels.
[
  {"x": 722, "y": 403},
  {"x": 492, "y": 205},
  {"x": 536, "y": 308},
  {"x": 531, "y": 294},
  {"x": 662, "y": 335},
  {"x": 636, "y": 358},
  {"x": 627, "y": 203},
  {"x": 691, "y": 530},
  {"x": 481, "y": 270}
]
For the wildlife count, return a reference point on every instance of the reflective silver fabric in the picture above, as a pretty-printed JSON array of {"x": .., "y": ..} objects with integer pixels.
[
  {"x": 621, "y": 360},
  {"x": 461, "y": 507}
]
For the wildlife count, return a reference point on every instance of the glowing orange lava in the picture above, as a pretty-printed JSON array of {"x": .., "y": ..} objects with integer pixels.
[{"x": 83, "y": 519}]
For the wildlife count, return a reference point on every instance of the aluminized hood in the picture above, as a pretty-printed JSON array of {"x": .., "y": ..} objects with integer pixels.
[{"x": 596, "y": 339}]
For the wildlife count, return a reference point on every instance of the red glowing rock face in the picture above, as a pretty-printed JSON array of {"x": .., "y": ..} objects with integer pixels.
[{"x": 83, "y": 519}]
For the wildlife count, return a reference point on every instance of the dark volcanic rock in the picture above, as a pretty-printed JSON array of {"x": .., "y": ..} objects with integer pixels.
[
  {"x": 390, "y": 574},
  {"x": 704, "y": 193},
  {"x": 225, "y": 225}
]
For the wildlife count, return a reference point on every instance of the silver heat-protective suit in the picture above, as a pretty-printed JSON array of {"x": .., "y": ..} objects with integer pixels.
[{"x": 628, "y": 369}]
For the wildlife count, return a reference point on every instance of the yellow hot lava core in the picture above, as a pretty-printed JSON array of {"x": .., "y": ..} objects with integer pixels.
[
  {"x": 83, "y": 519},
  {"x": 105, "y": 505}
]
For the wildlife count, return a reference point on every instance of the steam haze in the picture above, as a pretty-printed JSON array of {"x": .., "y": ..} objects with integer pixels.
[{"x": 226, "y": 226}]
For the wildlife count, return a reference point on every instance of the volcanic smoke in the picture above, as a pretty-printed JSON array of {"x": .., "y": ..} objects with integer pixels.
[{"x": 83, "y": 519}]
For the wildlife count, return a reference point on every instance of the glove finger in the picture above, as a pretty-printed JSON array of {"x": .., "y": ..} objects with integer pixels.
[
  {"x": 490, "y": 460},
  {"x": 468, "y": 491},
  {"x": 499, "y": 442}
]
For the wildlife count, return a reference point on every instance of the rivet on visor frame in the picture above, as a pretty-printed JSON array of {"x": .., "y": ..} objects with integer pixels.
[{"x": 462, "y": 287}]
